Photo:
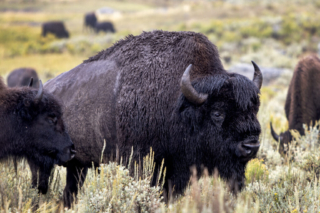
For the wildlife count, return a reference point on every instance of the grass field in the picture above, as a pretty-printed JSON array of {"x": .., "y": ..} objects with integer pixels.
[{"x": 242, "y": 30}]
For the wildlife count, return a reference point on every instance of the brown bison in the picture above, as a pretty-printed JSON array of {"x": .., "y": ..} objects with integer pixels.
[
  {"x": 32, "y": 128},
  {"x": 90, "y": 20},
  {"x": 142, "y": 92},
  {"x": 303, "y": 99},
  {"x": 21, "y": 77},
  {"x": 56, "y": 28},
  {"x": 105, "y": 27}
]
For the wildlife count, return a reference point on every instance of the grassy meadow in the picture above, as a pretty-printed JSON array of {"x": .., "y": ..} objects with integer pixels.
[{"x": 272, "y": 33}]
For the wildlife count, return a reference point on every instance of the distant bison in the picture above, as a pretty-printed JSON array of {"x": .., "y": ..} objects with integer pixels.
[
  {"x": 105, "y": 27},
  {"x": 142, "y": 92},
  {"x": 303, "y": 99},
  {"x": 90, "y": 20},
  {"x": 21, "y": 77},
  {"x": 32, "y": 128},
  {"x": 55, "y": 27}
]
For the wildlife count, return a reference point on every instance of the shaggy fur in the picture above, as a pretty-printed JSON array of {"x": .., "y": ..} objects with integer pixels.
[
  {"x": 105, "y": 26},
  {"x": 21, "y": 77},
  {"x": 130, "y": 95},
  {"x": 56, "y": 28},
  {"x": 303, "y": 99},
  {"x": 90, "y": 20},
  {"x": 34, "y": 131}
]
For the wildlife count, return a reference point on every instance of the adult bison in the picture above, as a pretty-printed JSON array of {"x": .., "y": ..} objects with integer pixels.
[
  {"x": 303, "y": 99},
  {"x": 105, "y": 27},
  {"x": 90, "y": 20},
  {"x": 32, "y": 128},
  {"x": 138, "y": 93},
  {"x": 55, "y": 27},
  {"x": 21, "y": 77}
]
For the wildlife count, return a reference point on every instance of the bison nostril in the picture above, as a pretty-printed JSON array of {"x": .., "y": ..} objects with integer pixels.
[
  {"x": 73, "y": 151},
  {"x": 248, "y": 151}
]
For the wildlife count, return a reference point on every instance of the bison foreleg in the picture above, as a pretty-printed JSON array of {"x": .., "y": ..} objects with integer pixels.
[
  {"x": 41, "y": 181},
  {"x": 75, "y": 178}
]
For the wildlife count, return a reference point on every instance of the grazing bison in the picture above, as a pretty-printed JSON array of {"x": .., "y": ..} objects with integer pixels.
[
  {"x": 55, "y": 27},
  {"x": 104, "y": 26},
  {"x": 138, "y": 93},
  {"x": 90, "y": 20},
  {"x": 21, "y": 77},
  {"x": 32, "y": 128},
  {"x": 303, "y": 99}
]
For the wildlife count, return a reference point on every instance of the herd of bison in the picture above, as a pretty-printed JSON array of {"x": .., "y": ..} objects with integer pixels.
[
  {"x": 91, "y": 23},
  {"x": 165, "y": 90}
]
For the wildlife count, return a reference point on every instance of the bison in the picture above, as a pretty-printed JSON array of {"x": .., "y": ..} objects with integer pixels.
[
  {"x": 303, "y": 99},
  {"x": 21, "y": 77},
  {"x": 55, "y": 27},
  {"x": 142, "y": 92},
  {"x": 104, "y": 26},
  {"x": 32, "y": 127},
  {"x": 90, "y": 20}
]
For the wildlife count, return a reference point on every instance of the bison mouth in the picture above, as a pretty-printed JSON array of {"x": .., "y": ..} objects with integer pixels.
[{"x": 246, "y": 150}]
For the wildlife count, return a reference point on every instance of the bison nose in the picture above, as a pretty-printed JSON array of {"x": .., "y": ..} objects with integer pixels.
[{"x": 247, "y": 149}]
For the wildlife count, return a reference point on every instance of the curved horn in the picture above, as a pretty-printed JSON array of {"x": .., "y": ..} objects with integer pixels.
[
  {"x": 257, "y": 77},
  {"x": 31, "y": 82},
  {"x": 273, "y": 133},
  {"x": 38, "y": 97},
  {"x": 188, "y": 91}
]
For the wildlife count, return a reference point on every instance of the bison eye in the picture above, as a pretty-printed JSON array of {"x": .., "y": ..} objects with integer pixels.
[
  {"x": 217, "y": 114},
  {"x": 52, "y": 120}
]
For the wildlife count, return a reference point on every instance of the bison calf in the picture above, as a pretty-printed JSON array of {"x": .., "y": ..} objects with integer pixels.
[
  {"x": 303, "y": 99},
  {"x": 104, "y": 26},
  {"x": 32, "y": 128}
]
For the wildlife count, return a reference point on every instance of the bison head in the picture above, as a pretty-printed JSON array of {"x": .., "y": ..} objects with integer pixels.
[
  {"x": 221, "y": 114},
  {"x": 284, "y": 139},
  {"x": 38, "y": 129}
]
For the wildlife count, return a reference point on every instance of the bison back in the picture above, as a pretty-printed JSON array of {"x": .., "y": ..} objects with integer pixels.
[{"x": 128, "y": 93}]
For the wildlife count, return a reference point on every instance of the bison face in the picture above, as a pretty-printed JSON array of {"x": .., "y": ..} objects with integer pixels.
[
  {"x": 284, "y": 139},
  {"x": 44, "y": 130},
  {"x": 221, "y": 113}
]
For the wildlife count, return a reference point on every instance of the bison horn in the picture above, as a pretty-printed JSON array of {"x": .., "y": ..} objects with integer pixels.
[
  {"x": 257, "y": 77},
  {"x": 38, "y": 97},
  {"x": 31, "y": 82},
  {"x": 273, "y": 133},
  {"x": 188, "y": 91}
]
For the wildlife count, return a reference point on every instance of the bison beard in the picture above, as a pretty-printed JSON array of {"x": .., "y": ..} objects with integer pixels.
[
  {"x": 130, "y": 96},
  {"x": 32, "y": 128},
  {"x": 303, "y": 99}
]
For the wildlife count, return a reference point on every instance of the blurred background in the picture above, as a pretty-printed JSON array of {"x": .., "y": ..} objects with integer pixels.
[{"x": 272, "y": 33}]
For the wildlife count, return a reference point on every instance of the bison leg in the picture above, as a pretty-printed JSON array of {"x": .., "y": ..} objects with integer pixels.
[
  {"x": 44, "y": 174},
  {"x": 34, "y": 174},
  {"x": 74, "y": 174}
]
